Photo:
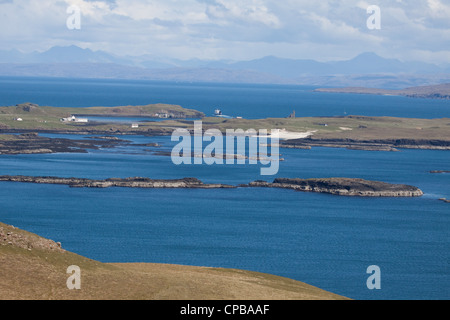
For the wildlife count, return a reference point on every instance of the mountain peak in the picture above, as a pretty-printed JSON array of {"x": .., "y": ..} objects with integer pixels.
[
  {"x": 71, "y": 48},
  {"x": 367, "y": 56},
  {"x": 74, "y": 54}
]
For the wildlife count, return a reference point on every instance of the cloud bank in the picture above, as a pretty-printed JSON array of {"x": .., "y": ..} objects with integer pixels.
[{"x": 232, "y": 29}]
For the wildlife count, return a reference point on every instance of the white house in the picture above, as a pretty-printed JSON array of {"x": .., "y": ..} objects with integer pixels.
[
  {"x": 134, "y": 125},
  {"x": 162, "y": 115},
  {"x": 75, "y": 119}
]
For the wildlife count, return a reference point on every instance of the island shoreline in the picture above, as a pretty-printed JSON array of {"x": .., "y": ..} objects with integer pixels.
[
  {"x": 352, "y": 187},
  {"x": 352, "y": 132}
]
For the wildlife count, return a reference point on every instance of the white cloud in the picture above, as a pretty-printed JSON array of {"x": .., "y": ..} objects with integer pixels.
[
  {"x": 90, "y": 8},
  {"x": 187, "y": 11},
  {"x": 242, "y": 29},
  {"x": 438, "y": 9},
  {"x": 245, "y": 11}
]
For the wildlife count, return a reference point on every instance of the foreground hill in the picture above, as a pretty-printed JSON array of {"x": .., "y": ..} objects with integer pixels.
[{"x": 34, "y": 268}]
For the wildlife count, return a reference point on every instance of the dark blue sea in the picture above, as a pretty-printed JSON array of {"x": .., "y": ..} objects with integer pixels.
[{"x": 324, "y": 240}]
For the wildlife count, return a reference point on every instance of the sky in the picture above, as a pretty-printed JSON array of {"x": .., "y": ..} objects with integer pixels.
[{"x": 233, "y": 29}]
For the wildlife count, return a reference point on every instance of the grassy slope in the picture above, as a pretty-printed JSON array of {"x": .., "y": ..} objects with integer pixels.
[
  {"x": 34, "y": 268},
  {"x": 48, "y": 118},
  {"x": 25, "y": 109}
]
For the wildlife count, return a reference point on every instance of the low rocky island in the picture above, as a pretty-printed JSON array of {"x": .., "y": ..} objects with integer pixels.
[
  {"x": 343, "y": 187},
  {"x": 137, "y": 182},
  {"x": 335, "y": 186}
]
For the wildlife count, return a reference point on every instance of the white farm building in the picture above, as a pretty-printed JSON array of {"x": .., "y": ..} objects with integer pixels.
[{"x": 75, "y": 119}]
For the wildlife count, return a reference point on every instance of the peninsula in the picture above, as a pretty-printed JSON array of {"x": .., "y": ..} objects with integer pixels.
[
  {"x": 157, "y": 111},
  {"x": 441, "y": 91}
]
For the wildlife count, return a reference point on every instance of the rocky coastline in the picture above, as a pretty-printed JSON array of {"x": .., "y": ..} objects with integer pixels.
[
  {"x": 91, "y": 130},
  {"x": 368, "y": 145},
  {"x": 343, "y": 187},
  {"x": 136, "y": 182},
  {"x": 32, "y": 143},
  {"x": 335, "y": 186}
]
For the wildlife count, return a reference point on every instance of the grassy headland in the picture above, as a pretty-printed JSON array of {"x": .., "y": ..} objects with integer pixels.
[
  {"x": 45, "y": 118},
  {"x": 34, "y": 268}
]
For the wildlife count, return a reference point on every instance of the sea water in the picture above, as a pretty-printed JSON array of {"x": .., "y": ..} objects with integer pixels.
[
  {"x": 250, "y": 101},
  {"x": 324, "y": 240}
]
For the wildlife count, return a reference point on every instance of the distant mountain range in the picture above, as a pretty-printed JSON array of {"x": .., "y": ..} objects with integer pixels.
[{"x": 367, "y": 69}]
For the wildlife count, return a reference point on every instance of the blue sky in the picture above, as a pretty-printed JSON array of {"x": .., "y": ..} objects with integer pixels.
[{"x": 233, "y": 29}]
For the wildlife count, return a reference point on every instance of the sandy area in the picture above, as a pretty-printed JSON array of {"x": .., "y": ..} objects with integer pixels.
[{"x": 283, "y": 134}]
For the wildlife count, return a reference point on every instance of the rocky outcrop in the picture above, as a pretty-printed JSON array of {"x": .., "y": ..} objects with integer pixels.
[
  {"x": 32, "y": 143},
  {"x": 108, "y": 138},
  {"x": 137, "y": 182},
  {"x": 27, "y": 107},
  {"x": 14, "y": 237},
  {"x": 369, "y": 145},
  {"x": 336, "y": 186},
  {"x": 343, "y": 187},
  {"x": 30, "y": 151}
]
